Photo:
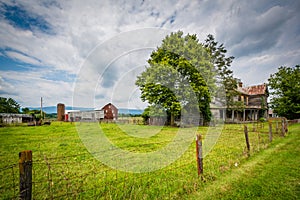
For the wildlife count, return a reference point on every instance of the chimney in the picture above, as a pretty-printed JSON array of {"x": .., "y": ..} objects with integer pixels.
[{"x": 241, "y": 84}]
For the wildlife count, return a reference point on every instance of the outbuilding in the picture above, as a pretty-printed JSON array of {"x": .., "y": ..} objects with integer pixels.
[
  {"x": 110, "y": 112},
  {"x": 14, "y": 118}
]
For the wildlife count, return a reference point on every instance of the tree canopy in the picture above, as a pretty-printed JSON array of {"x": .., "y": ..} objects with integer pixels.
[
  {"x": 9, "y": 105},
  {"x": 180, "y": 76},
  {"x": 285, "y": 90},
  {"x": 227, "y": 89}
]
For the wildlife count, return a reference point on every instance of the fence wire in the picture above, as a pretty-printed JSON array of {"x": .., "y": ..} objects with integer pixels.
[{"x": 81, "y": 176}]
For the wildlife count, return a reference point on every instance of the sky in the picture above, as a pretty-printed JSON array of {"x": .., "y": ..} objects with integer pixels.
[{"x": 88, "y": 53}]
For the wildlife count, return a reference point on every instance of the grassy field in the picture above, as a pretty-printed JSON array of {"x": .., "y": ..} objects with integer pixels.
[{"x": 63, "y": 168}]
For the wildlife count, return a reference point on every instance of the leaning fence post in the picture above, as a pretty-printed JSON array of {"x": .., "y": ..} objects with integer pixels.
[
  {"x": 270, "y": 132},
  {"x": 247, "y": 139},
  {"x": 25, "y": 167},
  {"x": 199, "y": 154},
  {"x": 282, "y": 127}
]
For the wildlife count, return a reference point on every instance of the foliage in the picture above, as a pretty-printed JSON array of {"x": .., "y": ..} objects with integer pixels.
[
  {"x": 153, "y": 111},
  {"x": 285, "y": 91},
  {"x": 129, "y": 115},
  {"x": 262, "y": 119},
  {"x": 235, "y": 105},
  {"x": 227, "y": 84},
  {"x": 51, "y": 115},
  {"x": 9, "y": 105},
  {"x": 26, "y": 110},
  {"x": 35, "y": 113},
  {"x": 146, "y": 115},
  {"x": 180, "y": 74}
]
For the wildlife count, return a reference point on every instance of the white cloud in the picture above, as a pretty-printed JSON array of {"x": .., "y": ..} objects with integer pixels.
[
  {"x": 27, "y": 88},
  {"x": 22, "y": 58},
  {"x": 261, "y": 35},
  {"x": 6, "y": 87}
]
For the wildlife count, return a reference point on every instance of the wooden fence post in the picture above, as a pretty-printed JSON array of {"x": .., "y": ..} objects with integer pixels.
[
  {"x": 247, "y": 139},
  {"x": 199, "y": 154},
  {"x": 270, "y": 132},
  {"x": 282, "y": 127},
  {"x": 285, "y": 126},
  {"x": 25, "y": 167}
]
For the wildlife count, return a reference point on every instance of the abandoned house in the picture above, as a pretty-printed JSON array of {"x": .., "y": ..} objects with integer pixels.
[{"x": 254, "y": 101}]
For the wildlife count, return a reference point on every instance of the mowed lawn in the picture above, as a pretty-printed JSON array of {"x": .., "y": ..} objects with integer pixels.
[{"x": 63, "y": 167}]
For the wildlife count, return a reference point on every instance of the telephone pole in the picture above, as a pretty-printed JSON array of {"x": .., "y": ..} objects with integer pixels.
[{"x": 42, "y": 108}]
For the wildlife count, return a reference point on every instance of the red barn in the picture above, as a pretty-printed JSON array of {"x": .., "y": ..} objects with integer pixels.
[{"x": 110, "y": 112}]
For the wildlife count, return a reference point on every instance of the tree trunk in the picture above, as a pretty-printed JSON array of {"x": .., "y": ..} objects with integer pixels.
[{"x": 172, "y": 123}]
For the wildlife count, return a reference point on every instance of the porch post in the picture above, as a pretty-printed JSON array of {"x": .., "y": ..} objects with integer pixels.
[{"x": 255, "y": 115}]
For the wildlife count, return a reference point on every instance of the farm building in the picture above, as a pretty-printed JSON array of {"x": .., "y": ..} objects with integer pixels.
[
  {"x": 90, "y": 115},
  {"x": 108, "y": 112},
  {"x": 60, "y": 112},
  {"x": 13, "y": 118},
  {"x": 254, "y": 101}
]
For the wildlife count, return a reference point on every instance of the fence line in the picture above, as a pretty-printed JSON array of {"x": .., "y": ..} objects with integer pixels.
[
  {"x": 62, "y": 177},
  {"x": 261, "y": 131}
]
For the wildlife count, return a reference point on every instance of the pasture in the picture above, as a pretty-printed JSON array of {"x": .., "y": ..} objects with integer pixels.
[{"x": 64, "y": 169}]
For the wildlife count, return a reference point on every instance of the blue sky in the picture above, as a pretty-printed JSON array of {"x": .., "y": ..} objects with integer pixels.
[{"x": 48, "y": 47}]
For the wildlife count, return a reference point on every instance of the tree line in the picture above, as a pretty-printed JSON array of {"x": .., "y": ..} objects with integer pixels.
[{"x": 9, "y": 105}]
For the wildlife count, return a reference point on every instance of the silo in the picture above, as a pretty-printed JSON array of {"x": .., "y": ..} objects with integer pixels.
[{"x": 60, "y": 112}]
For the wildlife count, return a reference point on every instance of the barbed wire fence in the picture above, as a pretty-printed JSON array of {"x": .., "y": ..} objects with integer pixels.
[
  {"x": 259, "y": 135},
  {"x": 82, "y": 176}
]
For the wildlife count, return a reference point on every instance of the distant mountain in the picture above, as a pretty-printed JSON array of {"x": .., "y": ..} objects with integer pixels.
[
  {"x": 53, "y": 109},
  {"x": 130, "y": 111}
]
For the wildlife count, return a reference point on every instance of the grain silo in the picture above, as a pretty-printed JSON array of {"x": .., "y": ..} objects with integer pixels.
[{"x": 60, "y": 112}]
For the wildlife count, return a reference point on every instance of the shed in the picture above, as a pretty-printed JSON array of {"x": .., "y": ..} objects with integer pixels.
[{"x": 14, "y": 118}]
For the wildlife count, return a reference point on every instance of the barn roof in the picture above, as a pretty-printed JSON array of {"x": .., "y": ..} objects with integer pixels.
[{"x": 109, "y": 104}]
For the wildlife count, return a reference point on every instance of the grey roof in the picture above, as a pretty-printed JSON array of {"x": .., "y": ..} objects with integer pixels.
[{"x": 14, "y": 115}]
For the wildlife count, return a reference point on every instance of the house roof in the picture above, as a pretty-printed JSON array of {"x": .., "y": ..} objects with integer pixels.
[{"x": 254, "y": 90}]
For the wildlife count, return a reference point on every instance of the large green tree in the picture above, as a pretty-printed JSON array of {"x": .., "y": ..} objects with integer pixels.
[
  {"x": 9, "y": 105},
  {"x": 180, "y": 76},
  {"x": 227, "y": 84},
  {"x": 285, "y": 90}
]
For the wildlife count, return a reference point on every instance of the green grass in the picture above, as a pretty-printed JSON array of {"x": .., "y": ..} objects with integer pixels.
[
  {"x": 63, "y": 168},
  {"x": 273, "y": 173}
]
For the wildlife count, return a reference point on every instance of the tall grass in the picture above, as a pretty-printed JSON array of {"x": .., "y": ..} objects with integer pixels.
[{"x": 63, "y": 168}]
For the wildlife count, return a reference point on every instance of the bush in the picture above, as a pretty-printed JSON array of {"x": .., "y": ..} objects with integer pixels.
[{"x": 262, "y": 119}]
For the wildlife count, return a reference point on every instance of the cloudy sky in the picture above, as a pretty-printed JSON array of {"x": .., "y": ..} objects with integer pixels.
[{"x": 88, "y": 53}]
